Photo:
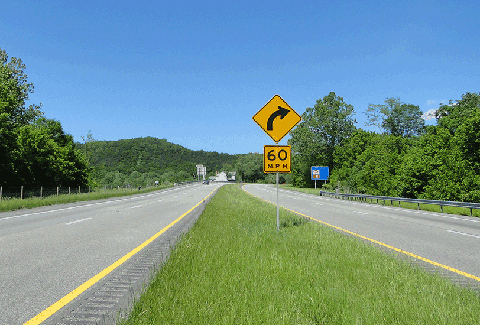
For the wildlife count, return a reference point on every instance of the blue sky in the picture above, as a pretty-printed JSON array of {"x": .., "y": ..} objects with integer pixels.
[{"x": 195, "y": 73}]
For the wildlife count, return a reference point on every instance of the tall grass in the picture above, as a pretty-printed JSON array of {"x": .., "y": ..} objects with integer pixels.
[{"x": 234, "y": 267}]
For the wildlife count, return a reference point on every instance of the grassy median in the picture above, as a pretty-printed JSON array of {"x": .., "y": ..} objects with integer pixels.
[{"x": 234, "y": 267}]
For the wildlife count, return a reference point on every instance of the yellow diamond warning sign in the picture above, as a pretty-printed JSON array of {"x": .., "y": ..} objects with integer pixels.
[
  {"x": 276, "y": 159},
  {"x": 276, "y": 118}
]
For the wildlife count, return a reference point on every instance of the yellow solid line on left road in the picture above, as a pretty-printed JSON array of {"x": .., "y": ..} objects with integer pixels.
[
  {"x": 75, "y": 293},
  {"x": 451, "y": 269}
]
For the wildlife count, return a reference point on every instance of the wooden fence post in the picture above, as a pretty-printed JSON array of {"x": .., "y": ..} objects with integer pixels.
[
  {"x": 1, "y": 189},
  {"x": 57, "y": 190},
  {"x": 41, "y": 191},
  {"x": 21, "y": 192},
  {"x": 79, "y": 190},
  {"x": 69, "y": 190}
]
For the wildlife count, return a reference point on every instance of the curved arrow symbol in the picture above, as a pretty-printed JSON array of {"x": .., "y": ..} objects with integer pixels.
[{"x": 282, "y": 112}]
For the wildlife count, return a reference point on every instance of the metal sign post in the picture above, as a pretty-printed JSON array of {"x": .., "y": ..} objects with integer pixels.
[
  {"x": 276, "y": 159},
  {"x": 278, "y": 209},
  {"x": 276, "y": 118}
]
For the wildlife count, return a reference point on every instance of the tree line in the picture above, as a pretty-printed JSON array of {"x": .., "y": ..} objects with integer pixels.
[
  {"x": 406, "y": 159},
  {"x": 143, "y": 161},
  {"x": 34, "y": 150}
]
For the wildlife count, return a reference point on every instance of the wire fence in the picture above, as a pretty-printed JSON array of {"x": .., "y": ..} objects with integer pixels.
[{"x": 25, "y": 192}]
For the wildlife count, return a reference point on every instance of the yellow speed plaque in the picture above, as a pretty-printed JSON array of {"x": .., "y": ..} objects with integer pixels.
[{"x": 276, "y": 159}]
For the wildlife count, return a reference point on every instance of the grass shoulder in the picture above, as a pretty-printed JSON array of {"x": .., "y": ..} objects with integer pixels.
[
  {"x": 406, "y": 205},
  {"x": 16, "y": 204}
]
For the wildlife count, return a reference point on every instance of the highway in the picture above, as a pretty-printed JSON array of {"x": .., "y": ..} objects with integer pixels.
[
  {"x": 450, "y": 240},
  {"x": 47, "y": 252}
]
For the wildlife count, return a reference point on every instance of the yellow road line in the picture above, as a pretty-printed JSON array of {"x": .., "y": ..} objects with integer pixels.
[
  {"x": 471, "y": 276},
  {"x": 75, "y": 293}
]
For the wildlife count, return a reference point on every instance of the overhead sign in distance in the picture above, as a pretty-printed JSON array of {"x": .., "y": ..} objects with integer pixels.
[
  {"x": 276, "y": 159},
  {"x": 276, "y": 118}
]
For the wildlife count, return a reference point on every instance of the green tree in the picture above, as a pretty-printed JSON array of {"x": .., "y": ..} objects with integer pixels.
[
  {"x": 452, "y": 115},
  {"x": 34, "y": 150},
  {"x": 374, "y": 170},
  {"x": 346, "y": 157},
  {"x": 378, "y": 165},
  {"x": 396, "y": 118},
  {"x": 250, "y": 168},
  {"x": 445, "y": 164},
  {"x": 14, "y": 91},
  {"x": 87, "y": 139},
  {"x": 45, "y": 155},
  {"x": 439, "y": 167},
  {"x": 468, "y": 139},
  {"x": 227, "y": 168},
  {"x": 300, "y": 169},
  {"x": 149, "y": 154},
  {"x": 416, "y": 169},
  {"x": 324, "y": 127},
  {"x": 369, "y": 163},
  {"x": 115, "y": 178}
]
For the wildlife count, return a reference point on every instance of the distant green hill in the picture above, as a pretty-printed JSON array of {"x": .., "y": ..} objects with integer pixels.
[{"x": 141, "y": 161}]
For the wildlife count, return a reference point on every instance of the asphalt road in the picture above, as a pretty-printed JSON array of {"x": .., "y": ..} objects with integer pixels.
[
  {"x": 450, "y": 240},
  {"x": 47, "y": 252}
]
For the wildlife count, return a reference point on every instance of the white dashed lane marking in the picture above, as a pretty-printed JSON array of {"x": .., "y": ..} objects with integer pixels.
[
  {"x": 463, "y": 234},
  {"x": 90, "y": 204},
  {"x": 77, "y": 221},
  {"x": 384, "y": 207}
]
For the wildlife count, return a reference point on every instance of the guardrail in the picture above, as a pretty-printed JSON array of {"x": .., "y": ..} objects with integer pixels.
[{"x": 364, "y": 197}]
